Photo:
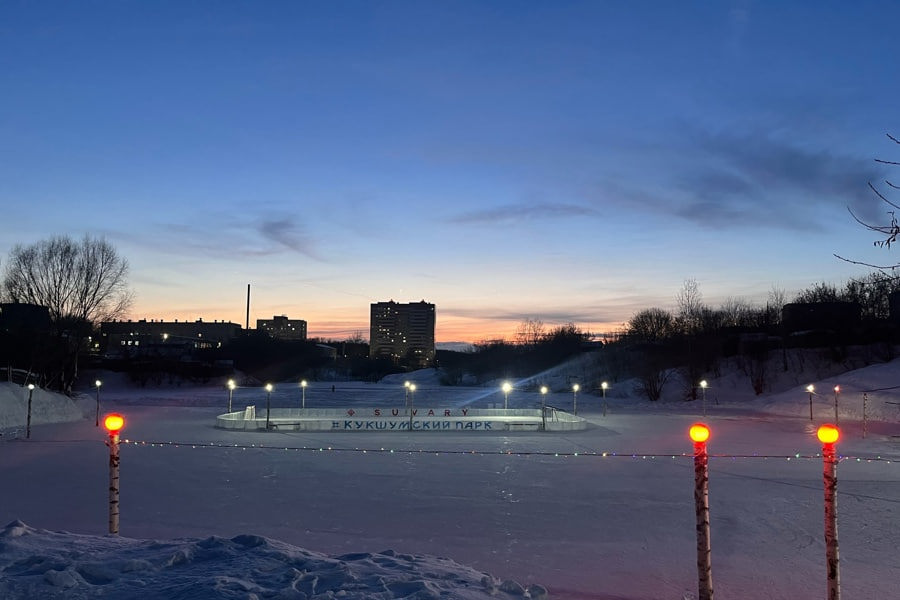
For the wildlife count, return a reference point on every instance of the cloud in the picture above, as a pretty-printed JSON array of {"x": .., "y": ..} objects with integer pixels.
[
  {"x": 549, "y": 317},
  {"x": 750, "y": 180},
  {"x": 523, "y": 212},
  {"x": 288, "y": 234},
  {"x": 215, "y": 236}
]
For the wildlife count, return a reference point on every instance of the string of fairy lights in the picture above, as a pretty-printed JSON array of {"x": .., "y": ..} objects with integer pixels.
[{"x": 510, "y": 453}]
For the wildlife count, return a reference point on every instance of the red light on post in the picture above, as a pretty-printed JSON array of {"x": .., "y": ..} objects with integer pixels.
[
  {"x": 113, "y": 423},
  {"x": 828, "y": 434},
  {"x": 699, "y": 433}
]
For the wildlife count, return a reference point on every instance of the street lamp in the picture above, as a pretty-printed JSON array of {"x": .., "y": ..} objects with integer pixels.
[
  {"x": 703, "y": 385},
  {"x": 543, "y": 408},
  {"x": 575, "y": 389},
  {"x": 810, "y": 388},
  {"x": 268, "y": 403},
  {"x": 98, "y": 383},
  {"x": 28, "y": 419},
  {"x": 837, "y": 392},
  {"x": 303, "y": 388},
  {"x": 231, "y": 386},
  {"x": 829, "y": 435},
  {"x": 604, "y": 386},
  {"x": 507, "y": 387},
  {"x": 412, "y": 398},
  {"x": 406, "y": 385}
]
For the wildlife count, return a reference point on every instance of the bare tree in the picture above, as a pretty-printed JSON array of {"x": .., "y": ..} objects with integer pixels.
[
  {"x": 80, "y": 281},
  {"x": 887, "y": 233},
  {"x": 689, "y": 301},
  {"x": 737, "y": 312},
  {"x": 651, "y": 325},
  {"x": 530, "y": 332}
]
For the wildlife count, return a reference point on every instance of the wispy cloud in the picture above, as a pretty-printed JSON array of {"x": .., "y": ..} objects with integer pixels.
[
  {"x": 514, "y": 213},
  {"x": 288, "y": 234},
  {"x": 752, "y": 180}
]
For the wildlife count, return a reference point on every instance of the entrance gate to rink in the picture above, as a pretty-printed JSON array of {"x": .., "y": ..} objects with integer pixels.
[{"x": 397, "y": 419}]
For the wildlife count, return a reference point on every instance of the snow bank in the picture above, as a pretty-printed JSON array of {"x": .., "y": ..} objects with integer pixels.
[
  {"x": 41, "y": 564},
  {"x": 46, "y": 407}
]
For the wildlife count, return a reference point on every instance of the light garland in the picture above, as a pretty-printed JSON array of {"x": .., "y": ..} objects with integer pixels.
[{"x": 382, "y": 450}]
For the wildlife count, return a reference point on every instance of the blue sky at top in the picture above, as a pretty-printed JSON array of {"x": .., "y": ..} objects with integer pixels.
[{"x": 566, "y": 161}]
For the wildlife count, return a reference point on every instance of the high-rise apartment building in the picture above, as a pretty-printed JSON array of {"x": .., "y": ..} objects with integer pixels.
[{"x": 402, "y": 332}]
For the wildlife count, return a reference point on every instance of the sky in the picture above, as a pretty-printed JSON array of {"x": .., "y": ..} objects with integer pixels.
[{"x": 558, "y": 161}]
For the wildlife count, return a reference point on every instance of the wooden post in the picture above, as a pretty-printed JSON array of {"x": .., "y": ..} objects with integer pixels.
[
  {"x": 114, "y": 483},
  {"x": 828, "y": 435},
  {"x": 113, "y": 423},
  {"x": 699, "y": 434},
  {"x": 701, "y": 501}
]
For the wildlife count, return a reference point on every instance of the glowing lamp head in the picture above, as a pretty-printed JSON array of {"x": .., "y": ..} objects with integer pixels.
[
  {"x": 828, "y": 434},
  {"x": 303, "y": 383},
  {"x": 98, "y": 383},
  {"x": 268, "y": 387},
  {"x": 604, "y": 385},
  {"x": 412, "y": 387},
  {"x": 699, "y": 433},
  {"x": 576, "y": 387},
  {"x": 703, "y": 384},
  {"x": 113, "y": 423},
  {"x": 837, "y": 389},
  {"x": 231, "y": 384},
  {"x": 543, "y": 389},
  {"x": 507, "y": 386},
  {"x": 30, "y": 386},
  {"x": 810, "y": 388},
  {"x": 406, "y": 384}
]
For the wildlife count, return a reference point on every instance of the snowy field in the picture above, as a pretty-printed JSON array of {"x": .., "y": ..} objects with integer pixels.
[{"x": 605, "y": 513}]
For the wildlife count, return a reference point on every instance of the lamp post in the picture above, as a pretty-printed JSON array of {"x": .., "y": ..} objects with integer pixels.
[
  {"x": 268, "y": 403},
  {"x": 113, "y": 423},
  {"x": 604, "y": 386},
  {"x": 703, "y": 385},
  {"x": 412, "y": 399},
  {"x": 231, "y": 386},
  {"x": 303, "y": 391},
  {"x": 575, "y": 389},
  {"x": 507, "y": 387},
  {"x": 699, "y": 433},
  {"x": 97, "y": 384},
  {"x": 837, "y": 392},
  {"x": 406, "y": 385},
  {"x": 828, "y": 435},
  {"x": 28, "y": 416},
  {"x": 810, "y": 388},
  {"x": 543, "y": 408}
]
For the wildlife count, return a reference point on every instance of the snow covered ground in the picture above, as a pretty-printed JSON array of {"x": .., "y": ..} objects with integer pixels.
[{"x": 605, "y": 513}]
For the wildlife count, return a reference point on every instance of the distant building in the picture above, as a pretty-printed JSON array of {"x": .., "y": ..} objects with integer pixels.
[
  {"x": 402, "y": 332},
  {"x": 128, "y": 337},
  {"x": 818, "y": 316},
  {"x": 283, "y": 328}
]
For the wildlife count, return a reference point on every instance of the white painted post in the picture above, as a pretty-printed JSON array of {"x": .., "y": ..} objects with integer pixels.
[
  {"x": 114, "y": 483},
  {"x": 699, "y": 434},
  {"x": 828, "y": 435},
  {"x": 113, "y": 423}
]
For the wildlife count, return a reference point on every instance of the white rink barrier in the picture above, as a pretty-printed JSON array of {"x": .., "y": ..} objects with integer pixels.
[{"x": 398, "y": 419}]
